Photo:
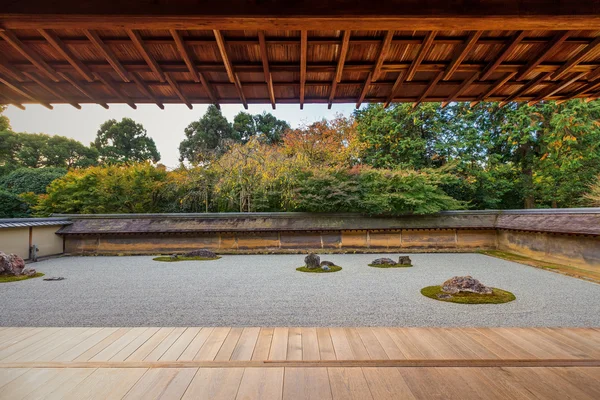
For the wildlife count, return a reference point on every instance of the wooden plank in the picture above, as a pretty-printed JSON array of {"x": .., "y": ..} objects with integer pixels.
[
  {"x": 546, "y": 52},
  {"x": 525, "y": 88},
  {"x": 67, "y": 54},
  {"x": 141, "y": 47},
  {"x": 77, "y": 86},
  {"x": 33, "y": 343},
  {"x": 371, "y": 344},
  {"x": 429, "y": 88},
  {"x": 425, "y": 47},
  {"x": 310, "y": 344},
  {"x": 552, "y": 90},
  {"x": 240, "y": 90},
  {"x": 460, "y": 56},
  {"x": 50, "y": 90},
  {"x": 145, "y": 349},
  {"x": 12, "y": 72},
  {"x": 63, "y": 382},
  {"x": 326, "y": 349},
  {"x": 163, "y": 383},
  {"x": 364, "y": 90},
  {"x": 22, "y": 92},
  {"x": 223, "y": 50},
  {"x": 504, "y": 342},
  {"x": 508, "y": 49},
  {"x": 245, "y": 346},
  {"x": 264, "y": 55},
  {"x": 348, "y": 383},
  {"x": 387, "y": 383},
  {"x": 212, "y": 345},
  {"x": 14, "y": 336},
  {"x": 340, "y": 66},
  {"x": 497, "y": 85},
  {"x": 342, "y": 348},
  {"x": 577, "y": 376},
  {"x": 214, "y": 384},
  {"x": 263, "y": 344},
  {"x": 506, "y": 384},
  {"x": 10, "y": 374},
  {"x": 405, "y": 343},
  {"x": 397, "y": 84},
  {"x": 183, "y": 341},
  {"x": 30, "y": 55},
  {"x": 84, "y": 346},
  {"x": 575, "y": 60},
  {"x": 545, "y": 385},
  {"x": 303, "y": 61},
  {"x": 388, "y": 344},
  {"x": 26, "y": 383},
  {"x": 115, "y": 347},
  {"x": 194, "y": 347},
  {"x": 261, "y": 383},
  {"x": 143, "y": 87},
  {"x": 294, "y": 348},
  {"x": 114, "y": 90},
  {"x": 60, "y": 347},
  {"x": 135, "y": 344},
  {"x": 461, "y": 88},
  {"x": 164, "y": 345},
  {"x": 279, "y": 344},
  {"x": 97, "y": 348},
  {"x": 467, "y": 344},
  {"x": 185, "y": 55},
  {"x": 109, "y": 383},
  {"x": 226, "y": 350},
  {"x": 108, "y": 54},
  {"x": 306, "y": 384},
  {"x": 383, "y": 52}
]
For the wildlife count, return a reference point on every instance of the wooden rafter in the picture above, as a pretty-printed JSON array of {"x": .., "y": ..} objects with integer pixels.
[
  {"x": 175, "y": 86},
  {"x": 340, "y": 67},
  {"x": 233, "y": 78},
  {"x": 9, "y": 70},
  {"x": 429, "y": 88},
  {"x": 184, "y": 53},
  {"x": 590, "y": 87},
  {"x": 31, "y": 56},
  {"x": 497, "y": 85},
  {"x": 364, "y": 90},
  {"x": 238, "y": 86},
  {"x": 508, "y": 49},
  {"x": 397, "y": 85},
  {"x": 51, "y": 90},
  {"x": 590, "y": 48},
  {"x": 425, "y": 46},
  {"x": 546, "y": 52},
  {"x": 114, "y": 90},
  {"x": 551, "y": 91},
  {"x": 78, "y": 86},
  {"x": 383, "y": 52},
  {"x": 64, "y": 51},
  {"x": 5, "y": 99},
  {"x": 141, "y": 47},
  {"x": 143, "y": 87},
  {"x": 463, "y": 86},
  {"x": 264, "y": 55},
  {"x": 22, "y": 92},
  {"x": 462, "y": 54},
  {"x": 525, "y": 88},
  {"x": 108, "y": 54},
  {"x": 303, "y": 62}
]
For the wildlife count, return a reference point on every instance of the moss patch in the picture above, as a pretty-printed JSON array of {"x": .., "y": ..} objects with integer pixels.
[
  {"x": 182, "y": 258},
  {"x": 498, "y": 296},
  {"x": 9, "y": 278},
  {"x": 390, "y": 265},
  {"x": 332, "y": 268}
]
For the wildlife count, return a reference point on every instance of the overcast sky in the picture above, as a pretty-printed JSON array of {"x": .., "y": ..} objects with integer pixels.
[{"x": 164, "y": 126}]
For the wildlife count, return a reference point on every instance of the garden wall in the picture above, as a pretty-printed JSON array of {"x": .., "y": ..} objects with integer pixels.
[{"x": 18, "y": 235}]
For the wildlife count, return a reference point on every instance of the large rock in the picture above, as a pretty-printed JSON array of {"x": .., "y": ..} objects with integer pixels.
[
  {"x": 201, "y": 253},
  {"x": 383, "y": 261},
  {"x": 312, "y": 261},
  {"x": 12, "y": 265},
  {"x": 327, "y": 263},
  {"x": 465, "y": 284},
  {"x": 404, "y": 260}
]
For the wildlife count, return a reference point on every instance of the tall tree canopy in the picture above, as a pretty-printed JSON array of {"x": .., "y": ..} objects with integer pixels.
[
  {"x": 266, "y": 127},
  {"x": 4, "y": 122},
  {"x": 125, "y": 141}
]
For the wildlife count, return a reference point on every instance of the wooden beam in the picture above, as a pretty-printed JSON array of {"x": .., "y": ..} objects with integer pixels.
[
  {"x": 340, "y": 67},
  {"x": 146, "y": 90},
  {"x": 364, "y": 90},
  {"x": 383, "y": 52},
  {"x": 9, "y": 70},
  {"x": 64, "y": 51},
  {"x": 185, "y": 55},
  {"x": 21, "y": 91},
  {"x": 508, "y": 49},
  {"x": 429, "y": 88},
  {"x": 209, "y": 90},
  {"x": 114, "y": 90},
  {"x": 427, "y": 43},
  {"x": 546, "y": 52},
  {"x": 397, "y": 84},
  {"x": 31, "y": 56},
  {"x": 223, "y": 50},
  {"x": 303, "y": 56},
  {"x": 497, "y": 85},
  {"x": 50, "y": 90},
  {"x": 591, "y": 86},
  {"x": 178, "y": 91},
  {"x": 574, "y": 61},
  {"x": 238, "y": 86},
  {"x": 141, "y": 47},
  {"x": 463, "y": 86},
  {"x": 557, "y": 88},
  {"x": 525, "y": 88},
  {"x": 77, "y": 86},
  {"x": 108, "y": 54},
  {"x": 462, "y": 54},
  {"x": 264, "y": 55},
  {"x": 9, "y": 100}
]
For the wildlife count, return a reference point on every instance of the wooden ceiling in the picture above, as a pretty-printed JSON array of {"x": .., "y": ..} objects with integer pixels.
[{"x": 161, "y": 54}]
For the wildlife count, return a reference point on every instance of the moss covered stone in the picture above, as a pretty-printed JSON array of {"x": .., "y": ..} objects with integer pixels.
[
  {"x": 497, "y": 296},
  {"x": 332, "y": 268},
  {"x": 182, "y": 258},
  {"x": 12, "y": 278}
]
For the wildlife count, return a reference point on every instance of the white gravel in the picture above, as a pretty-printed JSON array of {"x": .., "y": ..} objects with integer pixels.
[{"x": 266, "y": 290}]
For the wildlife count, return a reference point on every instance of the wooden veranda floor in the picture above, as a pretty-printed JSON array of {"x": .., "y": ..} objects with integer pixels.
[{"x": 299, "y": 363}]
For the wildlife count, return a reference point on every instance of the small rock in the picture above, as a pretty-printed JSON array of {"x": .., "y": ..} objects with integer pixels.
[
  {"x": 174, "y": 256},
  {"x": 328, "y": 263},
  {"x": 444, "y": 296},
  {"x": 383, "y": 261},
  {"x": 11, "y": 264},
  {"x": 201, "y": 253},
  {"x": 404, "y": 260},
  {"x": 312, "y": 261},
  {"x": 465, "y": 284},
  {"x": 55, "y": 278},
  {"x": 29, "y": 272},
  {"x": 325, "y": 268}
]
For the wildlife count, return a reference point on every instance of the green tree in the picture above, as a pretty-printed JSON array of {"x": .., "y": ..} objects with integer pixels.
[
  {"x": 11, "y": 206},
  {"x": 4, "y": 122},
  {"x": 208, "y": 138},
  {"x": 125, "y": 142},
  {"x": 266, "y": 127},
  {"x": 34, "y": 180}
]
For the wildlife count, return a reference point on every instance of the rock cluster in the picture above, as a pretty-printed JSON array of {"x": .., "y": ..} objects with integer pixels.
[
  {"x": 12, "y": 264},
  {"x": 404, "y": 260},
  {"x": 383, "y": 261},
  {"x": 201, "y": 253},
  {"x": 312, "y": 261},
  {"x": 465, "y": 284}
]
